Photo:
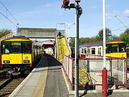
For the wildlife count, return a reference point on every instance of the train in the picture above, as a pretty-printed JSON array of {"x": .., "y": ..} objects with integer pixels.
[
  {"x": 113, "y": 49},
  {"x": 17, "y": 54},
  {"x": 49, "y": 47}
]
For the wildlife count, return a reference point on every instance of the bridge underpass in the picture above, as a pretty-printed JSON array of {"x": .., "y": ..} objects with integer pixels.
[{"x": 40, "y": 34}]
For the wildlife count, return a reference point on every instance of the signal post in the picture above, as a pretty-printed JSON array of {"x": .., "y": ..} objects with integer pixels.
[{"x": 68, "y": 5}]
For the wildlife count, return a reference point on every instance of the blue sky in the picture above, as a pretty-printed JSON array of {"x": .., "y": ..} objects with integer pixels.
[{"x": 48, "y": 14}]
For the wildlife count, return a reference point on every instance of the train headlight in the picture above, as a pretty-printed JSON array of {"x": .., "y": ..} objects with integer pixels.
[
  {"x": 26, "y": 61},
  {"x": 6, "y": 61}
]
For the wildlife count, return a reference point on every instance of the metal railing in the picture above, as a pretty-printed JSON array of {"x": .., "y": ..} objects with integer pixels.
[{"x": 90, "y": 70}]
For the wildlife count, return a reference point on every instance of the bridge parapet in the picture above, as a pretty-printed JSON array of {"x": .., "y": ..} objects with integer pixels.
[{"x": 39, "y": 32}]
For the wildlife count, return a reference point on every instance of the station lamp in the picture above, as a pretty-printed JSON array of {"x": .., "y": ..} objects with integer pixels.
[
  {"x": 65, "y": 4},
  {"x": 77, "y": 0}
]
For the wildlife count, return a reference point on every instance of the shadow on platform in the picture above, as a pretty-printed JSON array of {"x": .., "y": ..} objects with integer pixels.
[{"x": 48, "y": 61}]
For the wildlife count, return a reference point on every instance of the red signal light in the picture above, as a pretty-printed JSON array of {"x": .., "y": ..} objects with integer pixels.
[{"x": 65, "y": 4}]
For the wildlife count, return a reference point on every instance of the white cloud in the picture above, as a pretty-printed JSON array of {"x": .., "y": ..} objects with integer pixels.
[{"x": 126, "y": 11}]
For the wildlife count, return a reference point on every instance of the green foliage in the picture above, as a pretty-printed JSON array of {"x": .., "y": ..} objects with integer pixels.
[
  {"x": 72, "y": 41},
  {"x": 108, "y": 35},
  {"x": 4, "y": 32},
  {"x": 83, "y": 40},
  {"x": 125, "y": 36}
]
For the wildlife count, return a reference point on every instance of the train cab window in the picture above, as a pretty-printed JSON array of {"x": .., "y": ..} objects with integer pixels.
[
  {"x": 82, "y": 50},
  {"x": 93, "y": 50},
  {"x": 26, "y": 47},
  {"x": 115, "y": 48},
  {"x": 11, "y": 47},
  {"x": 122, "y": 47},
  {"x": 108, "y": 48}
]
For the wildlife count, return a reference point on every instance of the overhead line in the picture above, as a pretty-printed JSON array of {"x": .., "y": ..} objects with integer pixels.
[
  {"x": 8, "y": 19},
  {"x": 8, "y": 11},
  {"x": 121, "y": 21}
]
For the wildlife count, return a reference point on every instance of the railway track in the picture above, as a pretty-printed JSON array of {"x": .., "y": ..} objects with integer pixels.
[{"x": 9, "y": 85}]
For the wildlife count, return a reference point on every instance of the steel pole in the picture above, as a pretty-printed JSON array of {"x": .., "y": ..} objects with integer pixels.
[
  {"x": 104, "y": 71},
  {"x": 104, "y": 33},
  {"x": 77, "y": 53}
]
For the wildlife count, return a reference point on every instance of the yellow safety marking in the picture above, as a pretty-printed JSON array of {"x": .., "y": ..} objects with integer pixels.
[
  {"x": 17, "y": 39},
  {"x": 39, "y": 91},
  {"x": 83, "y": 76}
]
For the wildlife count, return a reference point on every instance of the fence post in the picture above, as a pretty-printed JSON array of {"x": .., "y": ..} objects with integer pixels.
[{"x": 104, "y": 82}]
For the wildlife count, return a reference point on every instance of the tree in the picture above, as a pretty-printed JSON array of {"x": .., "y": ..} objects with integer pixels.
[
  {"x": 72, "y": 41},
  {"x": 108, "y": 35},
  {"x": 125, "y": 36},
  {"x": 4, "y": 32}
]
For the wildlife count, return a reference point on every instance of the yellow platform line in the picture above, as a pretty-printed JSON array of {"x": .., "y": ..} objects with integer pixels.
[{"x": 39, "y": 91}]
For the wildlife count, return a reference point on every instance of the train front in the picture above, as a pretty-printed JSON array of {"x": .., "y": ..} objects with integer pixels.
[{"x": 16, "y": 54}]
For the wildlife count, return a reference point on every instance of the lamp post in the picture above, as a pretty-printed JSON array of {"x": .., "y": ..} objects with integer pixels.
[{"x": 78, "y": 14}]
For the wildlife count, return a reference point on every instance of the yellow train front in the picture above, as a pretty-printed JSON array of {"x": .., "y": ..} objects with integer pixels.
[
  {"x": 16, "y": 54},
  {"x": 116, "y": 49}
]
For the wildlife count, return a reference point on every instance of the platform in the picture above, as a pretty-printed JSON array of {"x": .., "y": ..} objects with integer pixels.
[{"x": 46, "y": 80}]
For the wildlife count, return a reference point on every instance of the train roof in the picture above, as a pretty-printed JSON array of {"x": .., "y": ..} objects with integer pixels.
[
  {"x": 17, "y": 38},
  {"x": 91, "y": 44},
  {"x": 101, "y": 43}
]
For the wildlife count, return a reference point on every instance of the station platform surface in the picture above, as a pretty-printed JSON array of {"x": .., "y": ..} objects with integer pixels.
[
  {"x": 46, "y": 80},
  {"x": 118, "y": 93}
]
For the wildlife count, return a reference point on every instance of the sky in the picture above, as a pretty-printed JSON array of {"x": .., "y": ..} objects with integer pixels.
[{"x": 49, "y": 14}]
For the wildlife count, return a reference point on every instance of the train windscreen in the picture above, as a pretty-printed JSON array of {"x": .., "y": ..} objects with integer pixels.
[
  {"x": 11, "y": 47},
  {"x": 113, "y": 48},
  {"x": 16, "y": 47}
]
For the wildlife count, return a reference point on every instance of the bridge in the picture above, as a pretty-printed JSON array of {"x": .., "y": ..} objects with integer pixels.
[{"x": 42, "y": 33}]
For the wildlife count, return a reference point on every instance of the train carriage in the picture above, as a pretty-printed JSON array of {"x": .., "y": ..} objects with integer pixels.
[
  {"x": 49, "y": 47},
  {"x": 16, "y": 54},
  {"x": 113, "y": 49}
]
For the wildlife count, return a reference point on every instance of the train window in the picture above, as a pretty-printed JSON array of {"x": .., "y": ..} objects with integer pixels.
[
  {"x": 122, "y": 47},
  {"x": 99, "y": 51},
  {"x": 82, "y": 50},
  {"x": 108, "y": 48},
  {"x": 85, "y": 50},
  {"x": 112, "y": 48},
  {"x": 15, "y": 47},
  {"x": 26, "y": 47},
  {"x": 10, "y": 47},
  {"x": 88, "y": 50},
  {"x": 115, "y": 48},
  {"x": 93, "y": 50}
]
